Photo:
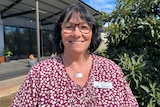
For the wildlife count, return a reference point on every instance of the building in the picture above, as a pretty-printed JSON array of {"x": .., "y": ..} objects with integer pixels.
[{"x": 19, "y": 26}]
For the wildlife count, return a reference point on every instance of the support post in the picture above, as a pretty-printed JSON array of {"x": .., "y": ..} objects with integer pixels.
[{"x": 38, "y": 30}]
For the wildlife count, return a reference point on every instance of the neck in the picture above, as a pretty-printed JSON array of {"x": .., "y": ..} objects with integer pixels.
[
  {"x": 70, "y": 59},
  {"x": 77, "y": 67}
]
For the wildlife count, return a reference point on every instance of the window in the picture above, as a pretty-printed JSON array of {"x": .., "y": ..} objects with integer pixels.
[
  {"x": 47, "y": 43},
  {"x": 11, "y": 39},
  {"x": 33, "y": 42},
  {"x": 24, "y": 42}
]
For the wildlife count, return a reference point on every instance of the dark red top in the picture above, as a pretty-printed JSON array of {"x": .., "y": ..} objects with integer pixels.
[{"x": 48, "y": 85}]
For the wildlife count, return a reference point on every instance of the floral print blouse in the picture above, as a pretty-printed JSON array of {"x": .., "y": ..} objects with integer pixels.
[{"x": 48, "y": 85}]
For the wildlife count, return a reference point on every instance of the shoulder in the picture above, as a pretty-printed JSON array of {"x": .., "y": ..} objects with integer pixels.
[
  {"x": 48, "y": 65},
  {"x": 102, "y": 61},
  {"x": 54, "y": 60}
]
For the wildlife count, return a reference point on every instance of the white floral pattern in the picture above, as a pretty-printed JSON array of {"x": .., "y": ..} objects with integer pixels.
[{"x": 48, "y": 85}]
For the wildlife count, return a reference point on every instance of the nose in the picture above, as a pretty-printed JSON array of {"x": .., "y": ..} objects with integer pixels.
[{"x": 76, "y": 32}]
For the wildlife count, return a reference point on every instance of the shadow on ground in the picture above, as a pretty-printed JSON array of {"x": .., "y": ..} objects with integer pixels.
[{"x": 6, "y": 101}]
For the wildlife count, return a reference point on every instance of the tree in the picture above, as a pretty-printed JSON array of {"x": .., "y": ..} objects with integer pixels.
[{"x": 134, "y": 43}]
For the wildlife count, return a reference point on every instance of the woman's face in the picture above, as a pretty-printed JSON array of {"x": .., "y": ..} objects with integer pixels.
[{"x": 76, "y": 35}]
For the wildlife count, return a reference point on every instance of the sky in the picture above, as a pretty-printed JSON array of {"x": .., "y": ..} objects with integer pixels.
[{"x": 101, "y": 5}]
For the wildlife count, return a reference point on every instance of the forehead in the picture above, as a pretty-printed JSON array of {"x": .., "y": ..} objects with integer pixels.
[{"x": 74, "y": 17}]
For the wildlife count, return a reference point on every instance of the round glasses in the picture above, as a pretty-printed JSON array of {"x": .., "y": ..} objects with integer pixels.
[{"x": 84, "y": 27}]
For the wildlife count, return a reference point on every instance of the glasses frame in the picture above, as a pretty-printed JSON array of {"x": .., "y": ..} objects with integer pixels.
[{"x": 77, "y": 25}]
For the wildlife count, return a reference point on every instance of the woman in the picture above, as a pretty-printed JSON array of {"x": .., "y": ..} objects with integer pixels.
[{"x": 75, "y": 77}]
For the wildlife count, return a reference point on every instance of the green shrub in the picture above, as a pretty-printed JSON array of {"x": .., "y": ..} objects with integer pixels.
[{"x": 133, "y": 35}]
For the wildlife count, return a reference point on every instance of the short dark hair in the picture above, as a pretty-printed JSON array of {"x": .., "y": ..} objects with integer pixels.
[{"x": 85, "y": 15}]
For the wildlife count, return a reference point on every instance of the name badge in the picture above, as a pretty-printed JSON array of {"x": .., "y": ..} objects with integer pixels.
[{"x": 107, "y": 85}]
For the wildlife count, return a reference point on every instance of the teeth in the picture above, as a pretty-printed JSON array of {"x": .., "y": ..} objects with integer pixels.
[{"x": 75, "y": 42}]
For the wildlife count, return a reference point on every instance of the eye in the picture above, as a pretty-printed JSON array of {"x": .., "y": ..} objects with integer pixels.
[
  {"x": 68, "y": 26},
  {"x": 84, "y": 26}
]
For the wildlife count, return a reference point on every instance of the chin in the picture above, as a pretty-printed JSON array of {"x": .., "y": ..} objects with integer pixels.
[{"x": 78, "y": 51}]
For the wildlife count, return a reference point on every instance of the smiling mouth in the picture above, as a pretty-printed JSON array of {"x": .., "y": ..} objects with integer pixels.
[{"x": 76, "y": 42}]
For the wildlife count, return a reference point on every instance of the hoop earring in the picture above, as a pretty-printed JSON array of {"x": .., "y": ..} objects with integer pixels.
[{"x": 60, "y": 45}]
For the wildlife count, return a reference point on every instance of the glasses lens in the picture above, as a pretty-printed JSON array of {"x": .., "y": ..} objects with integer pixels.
[
  {"x": 68, "y": 27},
  {"x": 85, "y": 27}
]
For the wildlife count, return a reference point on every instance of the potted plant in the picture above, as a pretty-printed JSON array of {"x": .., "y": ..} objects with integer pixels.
[
  {"x": 2, "y": 59},
  {"x": 7, "y": 53},
  {"x": 32, "y": 61}
]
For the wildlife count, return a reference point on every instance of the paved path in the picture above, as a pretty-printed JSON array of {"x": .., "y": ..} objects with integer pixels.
[
  {"x": 10, "y": 86},
  {"x": 12, "y": 74}
]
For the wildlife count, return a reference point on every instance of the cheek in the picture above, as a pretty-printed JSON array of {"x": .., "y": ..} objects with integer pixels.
[
  {"x": 64, "y": 36},
  {"x": 89, "y": 36}
]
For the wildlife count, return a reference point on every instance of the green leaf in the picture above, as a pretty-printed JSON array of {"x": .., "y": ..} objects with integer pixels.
[
  {"x": 145, "y": 88},
  {"x": 133, "y": 61},
  {"x": 152, "y": 33}
]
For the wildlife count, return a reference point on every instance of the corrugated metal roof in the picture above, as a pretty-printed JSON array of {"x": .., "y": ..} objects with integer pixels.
[{"x": 49, "y": 10}]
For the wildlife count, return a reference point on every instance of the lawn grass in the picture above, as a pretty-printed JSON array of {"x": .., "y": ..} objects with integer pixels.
[{"x": 6, "y": 101}]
